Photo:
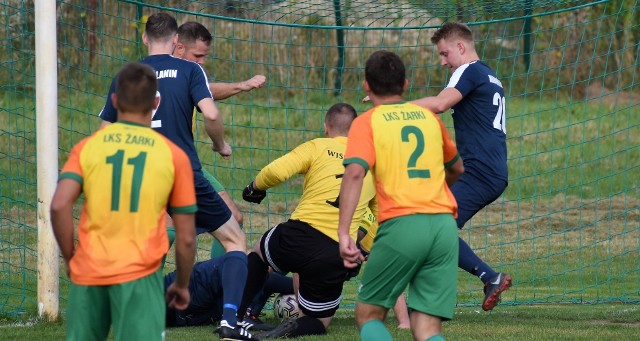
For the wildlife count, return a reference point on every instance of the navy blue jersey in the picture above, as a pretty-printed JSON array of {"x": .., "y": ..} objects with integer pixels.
[
  {"x": 205, "y": 288},
  {"x": 181, "y": 84},
  {"x": 479, "y": 121}
]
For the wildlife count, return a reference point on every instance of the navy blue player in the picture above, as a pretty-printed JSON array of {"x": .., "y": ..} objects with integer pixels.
[
  {"x": 183, "y": 85},
  {"x": 476, "y": 99},
  {"x": 206, "y": 289}
]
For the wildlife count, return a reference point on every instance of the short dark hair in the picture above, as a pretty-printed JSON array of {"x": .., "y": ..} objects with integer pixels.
[
  {"x": 339, "y": 118},
  {"x": 452, "y": 30},
  {"x": 191, "y": 31},
  {"x": 136, "y": 87},
  {"x": 161, "y": 26},
  {"x": 385, "y": 73}
]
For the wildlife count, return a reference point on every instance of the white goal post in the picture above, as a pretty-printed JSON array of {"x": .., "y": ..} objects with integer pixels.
[{"x": 47, "y": 154}]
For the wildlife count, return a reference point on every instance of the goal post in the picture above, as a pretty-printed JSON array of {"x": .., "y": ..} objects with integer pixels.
[{"x": 46, "y": 154}]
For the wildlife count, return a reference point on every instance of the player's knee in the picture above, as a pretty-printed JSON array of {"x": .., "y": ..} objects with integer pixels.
[{"x": 367, "y": 312}]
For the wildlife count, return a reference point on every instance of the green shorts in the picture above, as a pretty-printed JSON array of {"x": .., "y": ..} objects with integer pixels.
[
  {"x": 135, "y": 309},
  {"x": 421, "y": 251},
  {"x": 214, "y": 182}
]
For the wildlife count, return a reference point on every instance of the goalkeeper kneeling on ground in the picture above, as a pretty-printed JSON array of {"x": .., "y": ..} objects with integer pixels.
[{"x": 307, "y": 244}]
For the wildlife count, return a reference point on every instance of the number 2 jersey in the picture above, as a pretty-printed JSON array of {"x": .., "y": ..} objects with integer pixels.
[
  {"x": 320, "y": 160},
  {"x": 407, "y": 148},
  {"x": 479, "y": 121},
  {"x": 181, "y": 84},
  {"x": 129, "y": 173}
]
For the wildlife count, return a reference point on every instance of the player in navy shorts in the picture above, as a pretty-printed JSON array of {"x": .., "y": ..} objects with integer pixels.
[
  {"x": 476, "y": 99},
  {"x": 206, "y": 288},
  {"x": 183, "y": 86}
]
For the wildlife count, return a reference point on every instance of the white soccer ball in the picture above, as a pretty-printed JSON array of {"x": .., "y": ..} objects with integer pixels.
[{"x": 286, "y": 306}]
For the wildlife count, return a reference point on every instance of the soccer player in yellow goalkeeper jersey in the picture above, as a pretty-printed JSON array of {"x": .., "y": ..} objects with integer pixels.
[
  {"x": 130, "y": 176},
  {"x": 307, "y": 243}
]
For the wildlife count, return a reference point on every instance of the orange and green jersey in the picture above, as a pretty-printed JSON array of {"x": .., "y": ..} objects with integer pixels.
[
  {"x": 407, "y": 148},
  {"x": 369, "y": 225},
  {"x": 320, "y": 160},
  {"x": 129, "y": 174}
]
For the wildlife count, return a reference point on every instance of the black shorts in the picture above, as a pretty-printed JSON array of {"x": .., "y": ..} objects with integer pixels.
[
  {"x": 213, "y": 212},
  {"x": 295, "y": 246}
]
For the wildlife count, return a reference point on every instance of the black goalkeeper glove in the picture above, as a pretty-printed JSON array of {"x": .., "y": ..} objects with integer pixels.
[{"x": 253, "y": 195}]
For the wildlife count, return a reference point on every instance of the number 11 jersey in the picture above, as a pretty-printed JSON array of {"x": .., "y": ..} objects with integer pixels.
[{"x": 129, "y": 175}]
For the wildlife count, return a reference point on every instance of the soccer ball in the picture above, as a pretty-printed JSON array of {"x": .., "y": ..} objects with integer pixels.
[{"x": 286, "y": 306}]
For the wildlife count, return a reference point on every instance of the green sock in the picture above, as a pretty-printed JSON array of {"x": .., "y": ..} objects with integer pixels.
[
  {"x": 374, "y": 330},
  {"x": 171, "y": 232},
  {"x": 437, "y": 337},
  {"x": 216, "y": 249}
]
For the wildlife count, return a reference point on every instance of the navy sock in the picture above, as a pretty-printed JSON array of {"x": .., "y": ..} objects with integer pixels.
[
  {"x": 234, "y": 277},
  {"x": 258, "y": 303},
  {"x": 308, "y": 325},
  {"x": 278, "y": 283},
  {"x": 256, "y": 277},
  {"x": 471, "y": 263}
]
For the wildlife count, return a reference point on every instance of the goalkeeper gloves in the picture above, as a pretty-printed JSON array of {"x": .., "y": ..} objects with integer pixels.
[{"x": 253, "y": 195}]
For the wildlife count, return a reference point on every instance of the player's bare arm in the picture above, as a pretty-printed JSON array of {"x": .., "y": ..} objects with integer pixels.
[
  {"x": 223, "y": 91},
  {"x": 349, "y": 195},
  {"x": 178, "y": 292},
  {"x": 67, "y": 192},
  {"x": 214, "y": 127},
  {"x": 104, "y": 123},
  {"x": 453, "y": 173},
  {"x": 446, "y": 99}
]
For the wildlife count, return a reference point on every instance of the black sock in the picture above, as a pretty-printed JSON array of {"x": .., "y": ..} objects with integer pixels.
[
  {"x": 256, "y": 276},
  {"x": 308, "y": 325}
]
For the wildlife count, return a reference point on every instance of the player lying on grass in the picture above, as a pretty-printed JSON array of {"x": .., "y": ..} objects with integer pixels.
[{"x": 206, "y": 288}]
